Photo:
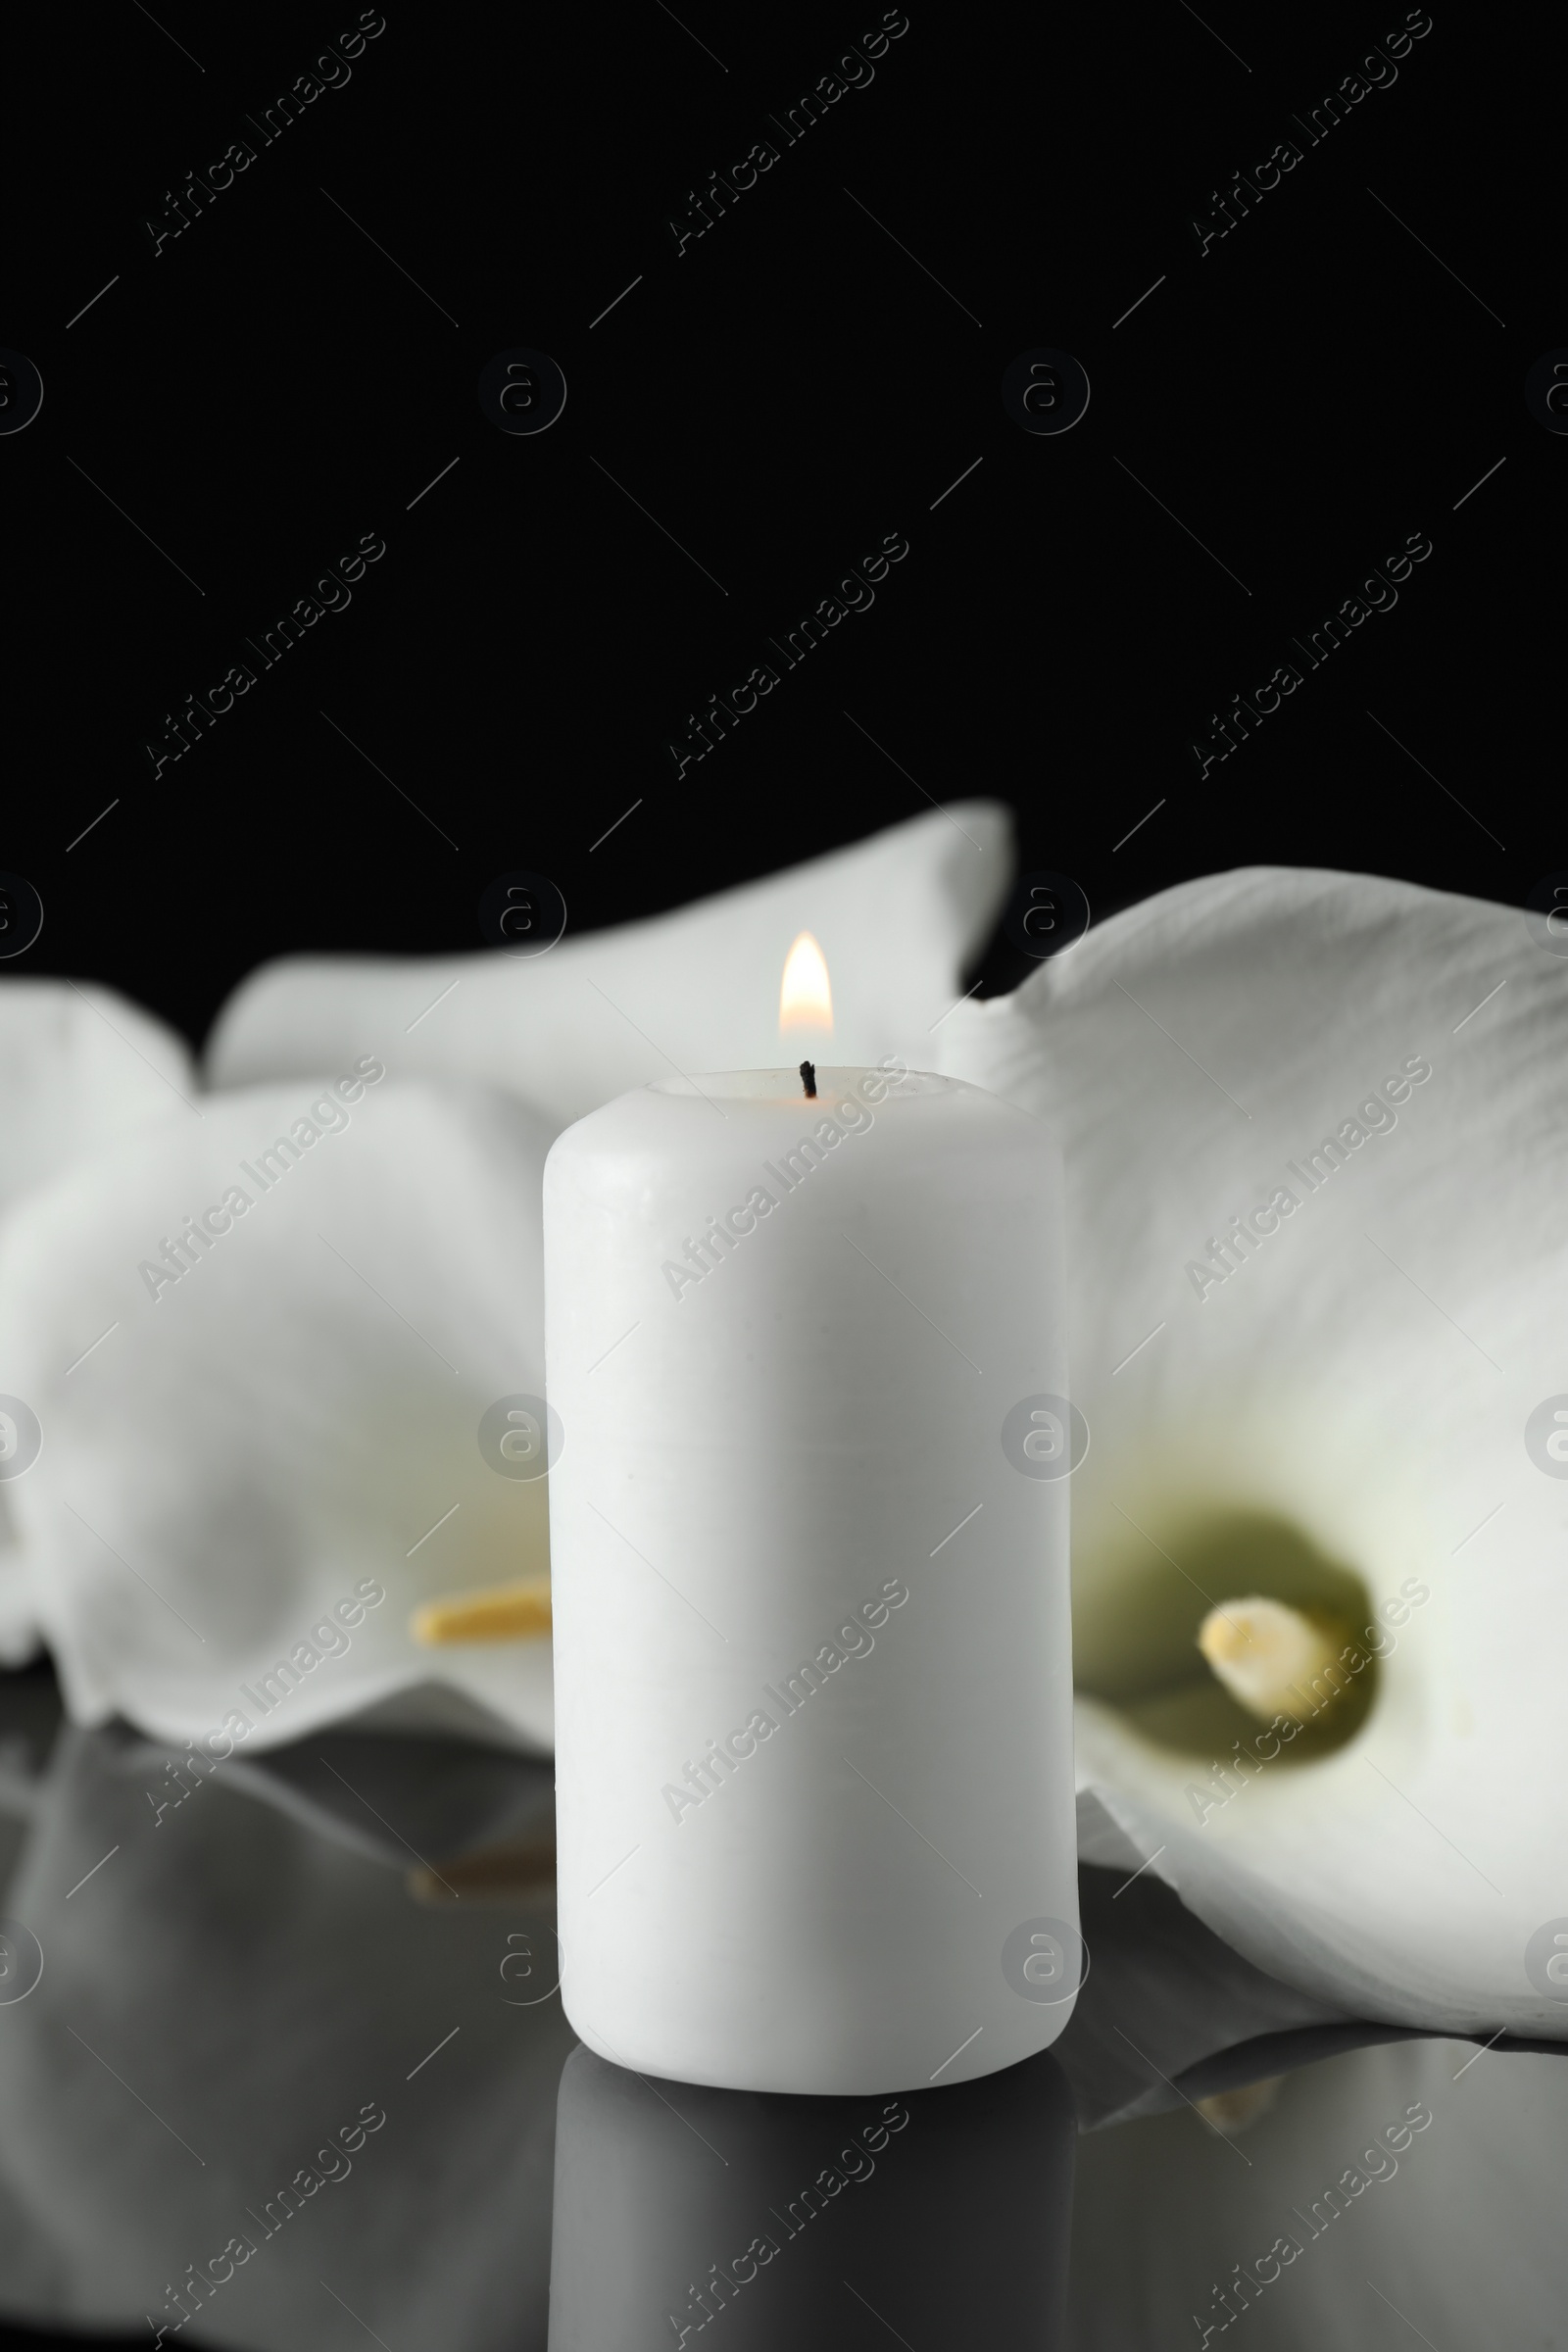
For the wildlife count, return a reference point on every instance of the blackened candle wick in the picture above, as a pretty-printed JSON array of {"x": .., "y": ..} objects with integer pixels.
[{"x": 808, "y": 1080}]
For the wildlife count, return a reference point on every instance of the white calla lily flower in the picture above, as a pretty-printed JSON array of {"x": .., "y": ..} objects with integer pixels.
[
  {"x": 275, "y": 1455},
  {"x": 1316, "y": 1142},
  {"x": 252, "y": 1411}
]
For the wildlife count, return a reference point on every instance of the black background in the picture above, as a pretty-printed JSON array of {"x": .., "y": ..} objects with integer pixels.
[{"x": 789, "y": 389}]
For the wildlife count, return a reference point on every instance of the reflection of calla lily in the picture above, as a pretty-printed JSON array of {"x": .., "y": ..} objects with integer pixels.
[
  {"x": 260, "y": 1410},
  {"x": 192, "y": 2085},
  {"x": 1389, "y": 2197},
  {"x": 1321, "y": 1409}
]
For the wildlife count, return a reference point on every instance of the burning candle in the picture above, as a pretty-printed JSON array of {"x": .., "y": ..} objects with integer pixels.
[{"x": 809, "y": 1535}]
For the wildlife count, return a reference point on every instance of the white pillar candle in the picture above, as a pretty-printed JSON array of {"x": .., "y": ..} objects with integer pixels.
[{"x": 808, "y": 1538}]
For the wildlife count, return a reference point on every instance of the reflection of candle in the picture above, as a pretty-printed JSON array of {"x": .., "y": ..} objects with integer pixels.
[
  {"x": 809, "y": 1530},
  {"x": 948, "y": 2212}
]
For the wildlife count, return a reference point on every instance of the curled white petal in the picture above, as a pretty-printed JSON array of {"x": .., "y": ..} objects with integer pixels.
[
  {"x": 897, "y": 917},
  {"x": 80, "y": 1068}
]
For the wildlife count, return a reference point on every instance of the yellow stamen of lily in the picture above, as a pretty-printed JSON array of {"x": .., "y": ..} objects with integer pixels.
[
  {"x": 1236, "y": 2111},
  {"x": 515, "y": 1612},
  {"x": 1275, "y": 1659}
]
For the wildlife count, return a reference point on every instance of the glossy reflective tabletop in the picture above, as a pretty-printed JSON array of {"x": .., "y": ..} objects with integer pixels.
[{"x": 282, "y": 2063}]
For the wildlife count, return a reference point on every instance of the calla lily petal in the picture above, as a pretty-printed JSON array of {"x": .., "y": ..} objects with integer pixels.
[
  {"x": 897, "y": 919},
  {"x": 1315, "y": 1143},
  {"x": 288, "y": 1425},
  {"x": 80, "y": 1068}
]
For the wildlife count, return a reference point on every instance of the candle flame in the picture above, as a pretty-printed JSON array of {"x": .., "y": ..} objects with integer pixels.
[{"x": 805, "y": 1001}]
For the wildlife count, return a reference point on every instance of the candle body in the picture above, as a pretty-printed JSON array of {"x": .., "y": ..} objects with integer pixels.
[{"x": 811, "y": 1624}]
